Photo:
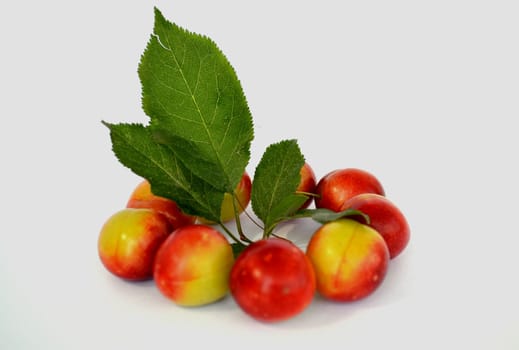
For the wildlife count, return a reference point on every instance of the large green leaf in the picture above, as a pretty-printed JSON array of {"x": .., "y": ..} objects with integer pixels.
[
  {"x": 136, "y": 148},
  {"x": 196, "y": 103}
]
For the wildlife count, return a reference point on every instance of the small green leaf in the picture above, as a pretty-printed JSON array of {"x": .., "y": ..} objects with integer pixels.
[
  {"x": 288, "y": 206},
  {"x": 276, "y": 179},
  {"x": 135, "y": 147},
  {"x": 323, "y": 215},
  {"x": 196, "y": 103}
]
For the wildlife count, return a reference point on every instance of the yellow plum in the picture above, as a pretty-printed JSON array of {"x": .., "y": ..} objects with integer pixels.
[
  {"x": 192, "y": 266},
  {"x": 129, "y": 240},
  {"x": 350, "y": 259}
]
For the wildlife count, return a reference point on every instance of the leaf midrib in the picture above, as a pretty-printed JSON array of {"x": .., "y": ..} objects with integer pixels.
[
  {"x": 200, "y": 114},
  {"x": 275, "y": 188}
]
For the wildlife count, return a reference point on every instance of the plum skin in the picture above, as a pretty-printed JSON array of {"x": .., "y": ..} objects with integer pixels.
[
  {"x": 192, "y": 266},
  {"x": 385, "y": 217},
  {"x": 307, "y": 184},
  {"x": 242, "y": 193},
  {"x": 339, "y": 185},
  {"x": 350, "y": 260},
  {"x": 272, "y": 280},
  {"x": 129, "y": 240}
]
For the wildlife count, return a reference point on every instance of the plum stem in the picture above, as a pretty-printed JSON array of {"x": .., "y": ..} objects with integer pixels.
[
  {"x": 237, "y": 206},
  {"x": 308, "y": 194},
  {"x": 229, "y": 233},
  {"x": 255, "y": 222}
]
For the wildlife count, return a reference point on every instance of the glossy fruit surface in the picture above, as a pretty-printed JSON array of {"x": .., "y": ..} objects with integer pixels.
[
  {"x": 272, "y": 280},
  {"x": 142, "y": 197},
  {"x": 308, "y": 183},
  {"x": 192, "y": 265},
  {"x": 350, "y": 259},
  {"x": 129, "y": 240},
  {"x": 385, "y": 217},
  {"x": 339, "y": 185}
]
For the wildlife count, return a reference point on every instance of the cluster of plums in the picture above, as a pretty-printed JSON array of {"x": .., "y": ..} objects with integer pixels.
[{"x": 272, "y": 279}]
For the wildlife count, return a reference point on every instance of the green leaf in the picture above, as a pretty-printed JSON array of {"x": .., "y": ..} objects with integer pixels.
[
  {"x": 276, "y": 179},
  {"x": 136, "y": 148},
  {"x": 196, "y": 103},
  {"x": 323, "y": 215}
]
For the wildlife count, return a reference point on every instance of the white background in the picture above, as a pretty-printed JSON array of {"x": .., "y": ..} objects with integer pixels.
[{"x": 423, "y": 94}]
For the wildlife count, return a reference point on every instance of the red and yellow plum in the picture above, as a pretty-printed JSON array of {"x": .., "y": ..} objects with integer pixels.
[
  {"x": 350, "y": 260},
  {"x": 339, "y": 185},
  {"x": 129, "y": 240},
  {"x": 192, "y": 265}
]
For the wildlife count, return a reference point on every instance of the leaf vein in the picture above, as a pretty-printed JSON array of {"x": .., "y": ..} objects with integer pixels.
[{"x": 193, "y": 97}]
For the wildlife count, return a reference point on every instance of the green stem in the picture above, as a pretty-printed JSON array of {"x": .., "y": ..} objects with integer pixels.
[
  {"x": 268, "y": 231},
  {"x": 274, "y": 235},
  {"x": 280, "y": 237},
  {"x": 235, "y": 204},
  {"x": 252, "y": 219},
  {"x": 309, "y": 194},
  {"x": 229, "y": 233}
]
